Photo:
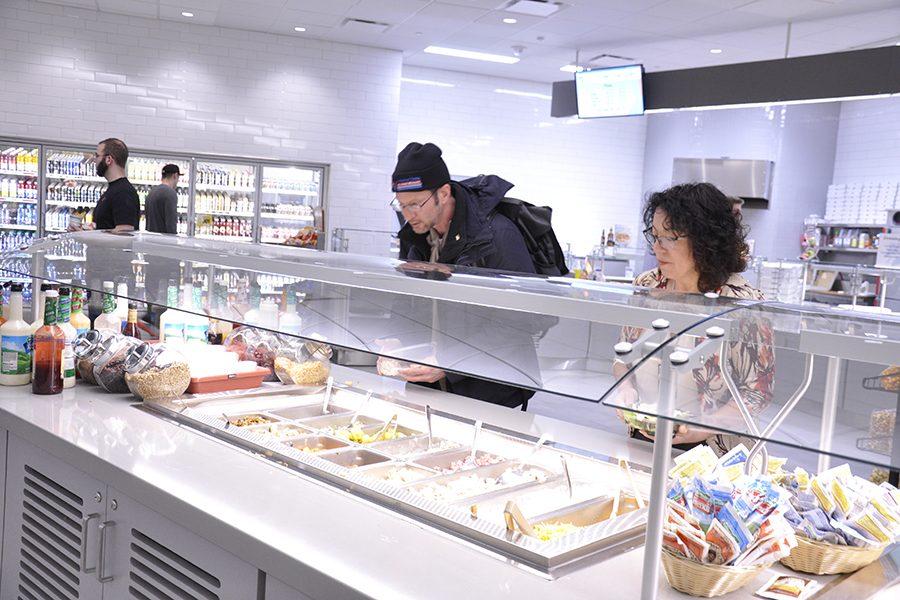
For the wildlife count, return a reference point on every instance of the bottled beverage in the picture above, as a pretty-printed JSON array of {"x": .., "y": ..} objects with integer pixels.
[
  {"x": 78, "y": 319},
  {"x": 49, "y": 344},
  {"x": 108, "y": 321},
  {"x": 131, "y": 326},
  {"x": 15, "y": 342},
  {"x": 196, "y": 326},
  {"x": 122, "y": 301},
  {"x": 251, "y": 317},
  {"x": 289, "y": 321},
  {"x": 68, "y": 356},
  {"x": 2, "y": 318},
  {"x": 39, "y": 307},
  {"x": 171, "y": 321}
]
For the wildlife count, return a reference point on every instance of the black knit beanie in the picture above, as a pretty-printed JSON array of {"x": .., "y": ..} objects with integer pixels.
[{"x": 419, "y": 167}]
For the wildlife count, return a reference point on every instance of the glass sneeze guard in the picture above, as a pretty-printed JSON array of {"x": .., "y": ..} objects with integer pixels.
[
  {"x": 810, "y": 379},
  {"x": 531, "y": 332}
]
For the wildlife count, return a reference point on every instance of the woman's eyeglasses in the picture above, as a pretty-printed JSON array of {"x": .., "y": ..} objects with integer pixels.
[
  {"x": 667, "y": 242},
  {"x": 411, "y": 208}
]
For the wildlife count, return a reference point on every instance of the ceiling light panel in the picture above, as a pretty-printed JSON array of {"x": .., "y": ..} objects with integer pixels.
[
  {"x": 471, "y": 55},
  {"x": 535, "y": 8}
]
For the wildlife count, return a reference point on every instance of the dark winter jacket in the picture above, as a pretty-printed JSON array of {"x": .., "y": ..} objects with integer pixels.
[{"x": 480, "y": 237}]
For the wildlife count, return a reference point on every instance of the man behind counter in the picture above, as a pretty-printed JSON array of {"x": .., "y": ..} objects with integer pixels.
[
  {"x": 453, "y": 223},
  {"x": 119, "y": 207}
]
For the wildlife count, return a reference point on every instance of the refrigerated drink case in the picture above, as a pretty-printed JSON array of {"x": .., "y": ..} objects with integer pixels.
[
  {"x": 19, "y": 168},
  {"x": 224, "y": 200},
  {"x": 72, "y": 187},
  {"x": 291, "y": 204},
  {"x": 145, "y": 173}
]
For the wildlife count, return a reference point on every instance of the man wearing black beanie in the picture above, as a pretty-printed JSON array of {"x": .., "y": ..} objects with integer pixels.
[{"x": 456, "y": 223}]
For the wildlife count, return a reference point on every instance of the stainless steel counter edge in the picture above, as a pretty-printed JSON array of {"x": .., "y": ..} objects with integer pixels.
[{"x": 311, "y": 536}]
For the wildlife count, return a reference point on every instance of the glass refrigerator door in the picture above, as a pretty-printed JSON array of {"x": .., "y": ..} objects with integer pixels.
[
  {"x": 19, "y": 171},
  {"x": 224, "y": 201},
  {"x": 291, "y": 206},
  {"x": 145, "y": 172},
  {"x": 73, "y": 187}
]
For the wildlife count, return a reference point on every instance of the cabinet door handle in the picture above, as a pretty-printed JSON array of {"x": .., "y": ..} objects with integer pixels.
[
  {"x": 101, "y": 560},
  {"x": 84, "y": 540}
]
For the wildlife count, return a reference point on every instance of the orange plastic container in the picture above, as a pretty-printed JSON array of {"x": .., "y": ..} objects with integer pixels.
[{"x": 224, "y": 383}]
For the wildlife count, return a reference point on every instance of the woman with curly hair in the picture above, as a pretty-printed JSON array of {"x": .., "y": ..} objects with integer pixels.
[{"x": 699, "y": 241}]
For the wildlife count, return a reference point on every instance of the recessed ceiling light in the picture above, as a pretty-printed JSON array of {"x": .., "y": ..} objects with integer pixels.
[
  {"x": 430, "y": 82},
  {"x": 300, "y": 29},
  {"x": 187, "y": 14},
  {"x": 571, "y": 69},
  {"x": 470, "y": 54},
  {"x": 524, "y": 94},
  {"x": 510, "y": 21},
  {"x": 715, "y": 51}
]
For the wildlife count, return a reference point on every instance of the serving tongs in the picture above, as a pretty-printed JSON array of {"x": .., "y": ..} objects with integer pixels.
[
  {"x": 534, "y": 450},
  {"x": 428, "y": 419},
  {"x": 390, "y": 425},
  {"x": 471, "y": 459},
  {"x": 565, "y": 466},
  {"x": 514, "y": 517},
  {"x": 623, "y": 464},
  {"x": 359, "y": 408},
  {"x": 327, "y": 397}
]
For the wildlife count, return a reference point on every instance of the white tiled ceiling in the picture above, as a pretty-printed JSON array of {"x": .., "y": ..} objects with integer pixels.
[{"x": 661, "y": 34}]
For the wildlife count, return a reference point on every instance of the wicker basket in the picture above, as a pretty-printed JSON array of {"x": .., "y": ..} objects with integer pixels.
[
  {"x": 706, "y": 581},
  {"x": 820, "y": 558}
]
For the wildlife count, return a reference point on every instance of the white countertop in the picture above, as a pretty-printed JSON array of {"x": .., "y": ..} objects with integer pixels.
[{"x": 309, "y": 535}]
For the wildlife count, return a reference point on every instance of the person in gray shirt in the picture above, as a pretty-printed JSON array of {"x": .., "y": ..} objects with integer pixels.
[{"x": 161, "y": 207}]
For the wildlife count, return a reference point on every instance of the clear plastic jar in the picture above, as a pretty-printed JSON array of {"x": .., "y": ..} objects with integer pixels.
[
  {"x": 88, "y": 347},
  {"x": 302, "y": 363},
  {"x": 109, "y": 368},
  {"x": 156, "y": 372}
]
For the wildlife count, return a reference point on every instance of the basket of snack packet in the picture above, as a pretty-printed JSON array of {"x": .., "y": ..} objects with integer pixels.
[
  {"x": 843, "y": 522},
  {"x": 723, "y": 527}
]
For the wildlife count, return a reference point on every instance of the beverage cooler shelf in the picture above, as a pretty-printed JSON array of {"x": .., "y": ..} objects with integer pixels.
[
  {"x": 70, "y": 203},
  {"x": 290, "y": 192},
  {"x": 18, "y": 173},
  {"x": 222, "y": 188},
  {"x": 286, "y": 217},
  {"x": 18, "y": 200},
  {"x": 88, "y": 178},
  {"x": 18, "y": 227},
  {"x": 221, "y": 213}
]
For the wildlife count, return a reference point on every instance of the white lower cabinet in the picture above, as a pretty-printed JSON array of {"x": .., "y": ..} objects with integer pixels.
[
  {"x": 67, "y": 536},
  {"x": 49, "y": 531},
  {"x": 147, "y": 556}
]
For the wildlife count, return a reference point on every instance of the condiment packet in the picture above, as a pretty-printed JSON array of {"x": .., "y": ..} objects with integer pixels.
[
  {"x": 676, "y": 492},
  {"x": 789, "y": 587},
  {"x": 697, "y": 547},
  {"x": 695, "y": 461},
  {"x": 722, "y": 544},
  {"x": 822, "y": 495},
  {"x": 766, "y": 551},
  {"x": 674, "y": 544},
  {"x": 802, "y": 479},
  {"x": 854, "y": 537},
  {"x": 871, "y": 524},
  {"x": 735, "y": 526}
]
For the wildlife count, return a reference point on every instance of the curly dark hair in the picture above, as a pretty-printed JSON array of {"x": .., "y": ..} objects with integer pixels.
[{"x": 704, "y": 215}]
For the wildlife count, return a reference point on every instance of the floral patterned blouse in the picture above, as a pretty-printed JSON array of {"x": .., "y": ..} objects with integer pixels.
[
  {"x": 751, "y": 358},
  {"x": 735, "y": 287}
]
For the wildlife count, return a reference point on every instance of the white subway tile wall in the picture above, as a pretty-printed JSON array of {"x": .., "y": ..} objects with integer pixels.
[
  {"x": 79, "y": 76},
  {"x": 589, "y": 171},
  {"x": 868, "y": 144},
  {"x": 799, "y": 139}
]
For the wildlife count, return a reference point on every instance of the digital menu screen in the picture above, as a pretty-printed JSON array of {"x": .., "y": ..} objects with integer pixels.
[{"x": 612, "y": 92}]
